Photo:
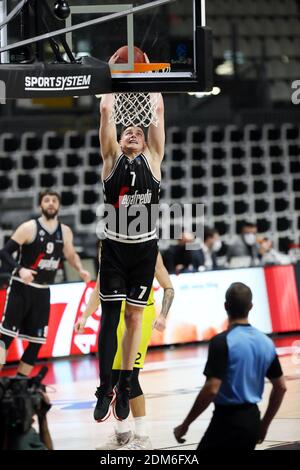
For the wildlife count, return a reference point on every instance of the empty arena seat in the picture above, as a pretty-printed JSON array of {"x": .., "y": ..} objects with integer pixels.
[
  {"x": 73, "y": 160},
  {"x": 91, "y": 178},
  {"x": 281, "y": 204},
  {"x": 275, "y": 150},
  {"x": 68, "y": 198},
  {"x": 90, "y": 197},
  {"x": 222, "y": 227},
  {"x": 241, "y": 207},
  {"x": 52, "y": 141},
  {"x": 93, "y": 159},
  {"x": 175, "y": 135},
  {"x": 177, "y": 173},
  {"x": 218, "y": 153},
  {"x": 31, "y": 142},
  {"x": 5, "y": 183},
  {"x": 258, "y": 169},
  {"x": 263, "y": 225},
  {"x": 283, "y": 224},
  {"x": 195, "y": 135},
  {"x": 25, "y": 181},
  {"x": 177, "y": 154},
  {"x": 279, "y": 186},
  {"x": 73, "y": 140},
  {"x": 92, "y": 139},
  {"x": 6, "y": 163},
  {"x": 177, "y": 191},
  {"x": 199, "y": 190},
  {"x": 294, "y": 150},
  {"x": 9, "y": 142},
  {"x": 256, "y": 151},
  {"x": 198, "y": 171},
  {"x": 87, "y": 216},
  {"x": 240, "y": 187},
  {"x": 50, "y": 160},
  {"x": 296, "y": 184},
  {"x": 259, "y": 186},
  {"x": 28, "y": 162},
  {"x": 238, "y": 170},
  {"x": 47, "y": 180},
  {"x": 237, "y": 152},
  {"x": 198, "y": 154},
  {"x": 220, "y": 189},
  {"x": 261, "y": 206},
  {"x": 219, "y": 208},
  {"x": 294, "y": 166},
  {"x": 218, "y": 171},
  {"x": 69, "y": 179},
  {"x": 277, "y": 168}
]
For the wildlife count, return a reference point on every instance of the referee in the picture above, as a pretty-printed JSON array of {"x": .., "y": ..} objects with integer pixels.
[{"x": 239, "y": 359}]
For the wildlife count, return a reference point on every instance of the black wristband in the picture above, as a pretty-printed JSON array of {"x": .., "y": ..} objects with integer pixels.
[{"x": 6, "y": 254}]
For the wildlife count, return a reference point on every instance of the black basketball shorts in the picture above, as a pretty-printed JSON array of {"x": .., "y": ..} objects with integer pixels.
[
  {"x": 26, "y": 313},
  {"x": 127, "y": 271}
]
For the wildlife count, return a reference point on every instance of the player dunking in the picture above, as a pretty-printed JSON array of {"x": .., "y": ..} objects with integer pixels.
[
  {"x": 41, "y": 244},
  {"x": 131, "y": 180},
  {"x": 123, "y": 436}
]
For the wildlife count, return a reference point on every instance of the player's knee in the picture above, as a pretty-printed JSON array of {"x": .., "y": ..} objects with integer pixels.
[
  {"x": 133, "y": 316},
  {"x": 31, "y": 353},
  {"x": 133, "y": 319}
]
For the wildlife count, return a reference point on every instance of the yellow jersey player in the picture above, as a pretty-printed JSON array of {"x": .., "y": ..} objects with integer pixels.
[{"x": 123, "y": 438}]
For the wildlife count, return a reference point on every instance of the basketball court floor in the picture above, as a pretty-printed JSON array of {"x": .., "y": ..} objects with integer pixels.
[{"x": 171, "y": 380}]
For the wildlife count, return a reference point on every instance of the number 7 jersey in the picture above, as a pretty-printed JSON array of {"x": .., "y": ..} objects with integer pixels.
[{"x": 131, "y": 196}]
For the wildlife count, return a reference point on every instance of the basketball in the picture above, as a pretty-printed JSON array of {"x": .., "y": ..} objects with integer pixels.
[{"x": 123, "y": 55}]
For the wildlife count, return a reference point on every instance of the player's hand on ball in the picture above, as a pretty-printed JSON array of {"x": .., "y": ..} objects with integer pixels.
[
  {"x": 113, "y": 59},
  {"x": 80, "y": 325},
  {"x": 179, "y": 432},
  {"x": 160, "y": 323},
  {"x": 85, "y": 275},
  {"x": 27, "y": 275}
]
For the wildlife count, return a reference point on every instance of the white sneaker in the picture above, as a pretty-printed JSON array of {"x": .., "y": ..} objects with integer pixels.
[
  {"x": 117, "y": 440},
  {"x": 2, "y": 353},
  {"x": 138, "y": 443}
]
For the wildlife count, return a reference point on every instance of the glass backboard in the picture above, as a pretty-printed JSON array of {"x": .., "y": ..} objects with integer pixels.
[{"x": 170, "y": 32}]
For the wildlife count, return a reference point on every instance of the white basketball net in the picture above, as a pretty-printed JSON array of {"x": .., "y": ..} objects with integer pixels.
[{"x": 136, "y": 109}]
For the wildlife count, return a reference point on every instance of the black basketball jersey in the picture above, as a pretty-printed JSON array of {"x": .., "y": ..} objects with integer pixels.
[
  {"x": 43, "y": 254},
  {"x": 131, "y": 196}
]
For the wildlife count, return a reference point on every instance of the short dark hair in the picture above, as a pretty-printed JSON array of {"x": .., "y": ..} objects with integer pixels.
[
  {"x": 238, "y": 300},
  {"x": 48, "y": 192},
  {"x": 123, "y": 129},
  {"x": 248, "y": 224},
  {"x": 209, "y": 232}
]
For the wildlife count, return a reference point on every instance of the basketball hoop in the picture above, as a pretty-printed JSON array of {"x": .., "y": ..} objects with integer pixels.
[{"x": 137, "y": 109}]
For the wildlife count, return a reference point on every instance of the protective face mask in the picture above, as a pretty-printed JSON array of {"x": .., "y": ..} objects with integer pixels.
[
  {"x": 217, "y": 245},
  {"x": 250, "y": 238}
]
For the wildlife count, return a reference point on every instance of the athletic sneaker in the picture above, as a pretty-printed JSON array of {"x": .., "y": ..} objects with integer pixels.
[
  {"x": 2, "y": 353},
  {"x": 138, "y": 443},
  {"x": 103, "y": 406},
  {"x": 116, "y": 440},
  {"x": 121, "y": 403}
]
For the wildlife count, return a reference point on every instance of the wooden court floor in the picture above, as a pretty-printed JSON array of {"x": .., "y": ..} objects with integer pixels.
[{"x": 171, "y": 380}]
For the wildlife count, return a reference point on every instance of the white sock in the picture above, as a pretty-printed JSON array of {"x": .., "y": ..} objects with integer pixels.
[
  {"x": 140, "y": 426},
  {"x": 122, "y": 426}
]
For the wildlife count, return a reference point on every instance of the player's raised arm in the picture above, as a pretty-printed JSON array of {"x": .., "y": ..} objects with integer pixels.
[
  {"x": 156, "y": 134},
  {"x": 109, "y": 146}
]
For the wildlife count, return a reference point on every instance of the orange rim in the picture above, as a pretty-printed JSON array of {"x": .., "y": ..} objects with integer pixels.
[{"x": 145, "y": 67}]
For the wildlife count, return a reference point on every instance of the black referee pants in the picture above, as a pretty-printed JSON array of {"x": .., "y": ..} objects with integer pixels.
[{"x": 232, "y": 427}]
